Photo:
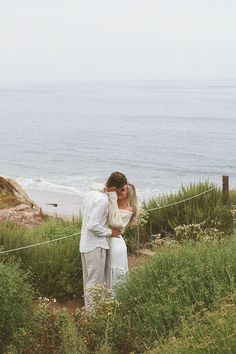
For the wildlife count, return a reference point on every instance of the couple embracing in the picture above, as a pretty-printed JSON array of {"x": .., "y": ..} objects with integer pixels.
[{"x": 107, "y": 210}]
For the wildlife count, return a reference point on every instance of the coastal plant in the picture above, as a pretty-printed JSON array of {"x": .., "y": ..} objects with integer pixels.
[
  {"x": 135, "y": 235},
  {"x": 210, "y": 332},
  {"x": 233, "y": 211},
  {"x": 232, "y": 197},
  {"x": 101, "y": 325},
  {"x": 174, "y": 285},
  {"x": 203, "y": 208},
  {"x": 16, "y": 300},
  {"x": 56, "y": 267},
  {"x": 47, "y": 331},
  {"x": 197, "y": 232}
]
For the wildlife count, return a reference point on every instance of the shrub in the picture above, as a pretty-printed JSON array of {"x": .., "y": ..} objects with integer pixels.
[
  {"x": 101, "y": 327},
  {"x": 16, "y": 298},
  {"x": 132, "y": 239},
  {"x": 197, "y": 232},
  {"x": 175, "y": 284},
  {"x": 56, "y": 267},
  {"x": 213, "y": 332},
  {"x": 48, "y": 331},
  {"x": 232, "y": 196},
  {"x": 206, "y": 207}
]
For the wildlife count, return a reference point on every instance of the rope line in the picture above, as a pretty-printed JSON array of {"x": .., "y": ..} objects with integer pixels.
[
  {"x": 77, "y": 233},
  {"x": 180, "y": 201},
  {"x": 39, "y": 244}
]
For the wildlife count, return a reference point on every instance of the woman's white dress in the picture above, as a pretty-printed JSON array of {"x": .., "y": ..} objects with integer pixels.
[{"x": 117, "y": 259}]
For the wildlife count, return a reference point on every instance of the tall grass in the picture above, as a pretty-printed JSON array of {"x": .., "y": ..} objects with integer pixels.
[
  {"x": 206, "y": 207},
  {"x": 56, "y": 267},
  {"x": 213, "y": 332},
  {"x": 47, "y": 331},
  {"x": 16, "y": 300},
  {"x": 175, "y": 284}
]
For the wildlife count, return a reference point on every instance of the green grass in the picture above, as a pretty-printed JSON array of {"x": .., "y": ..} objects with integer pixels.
[
  {"x": 16, "y": 300},
  {"x": 174, "y": 295},
  {"x": 206, "y": 207},
  {"x": 173, "y": 286},
  {"x": 213, "y": 332},
  {"x": 56, "y": 267}
]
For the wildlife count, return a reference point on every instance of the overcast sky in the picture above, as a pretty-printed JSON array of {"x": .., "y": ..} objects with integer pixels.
[{"x": 58, "y": 40}]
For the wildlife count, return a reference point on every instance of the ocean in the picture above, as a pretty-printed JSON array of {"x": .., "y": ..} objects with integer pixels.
[{"x": 55, "y": 139}]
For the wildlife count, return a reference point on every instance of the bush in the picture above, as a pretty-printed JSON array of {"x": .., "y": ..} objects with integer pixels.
[
  {"x": 101, "y": 327},
  {"x": 206, "y": 207},
  {"x": 132, "y": 239},
  {"x": 197, "y": 232},
  {"x": 48, "y": 331},
  {"x": 16, "y": 298},
  {"x": 232, "y": 196},
  {"x": 213, "y": 332},
  {"x": 175, "y": 284},
  {"x": 56, "y": 267}
]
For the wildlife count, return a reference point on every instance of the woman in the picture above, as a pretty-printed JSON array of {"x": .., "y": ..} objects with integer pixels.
[{"x": 122, "y": 212}]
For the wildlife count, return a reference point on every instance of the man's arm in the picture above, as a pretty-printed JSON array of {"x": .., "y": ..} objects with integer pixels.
[{"x": 95, "y": 219}]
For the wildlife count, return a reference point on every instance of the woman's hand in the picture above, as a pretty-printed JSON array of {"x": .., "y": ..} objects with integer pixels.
[{"x": 111, "y": 189}]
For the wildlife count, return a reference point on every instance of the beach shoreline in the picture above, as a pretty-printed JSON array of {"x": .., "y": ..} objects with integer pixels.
[{"x": 56, "y": 203}]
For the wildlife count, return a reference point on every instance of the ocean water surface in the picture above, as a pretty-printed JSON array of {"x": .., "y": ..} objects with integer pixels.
[{"x": 58, "y": 138}]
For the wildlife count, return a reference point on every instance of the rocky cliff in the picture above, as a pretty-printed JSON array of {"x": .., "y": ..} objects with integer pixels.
[{"x": 16, "y": 206}]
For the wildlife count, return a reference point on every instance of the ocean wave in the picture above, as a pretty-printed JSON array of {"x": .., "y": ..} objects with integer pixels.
[{"x": 40, "y": 184}]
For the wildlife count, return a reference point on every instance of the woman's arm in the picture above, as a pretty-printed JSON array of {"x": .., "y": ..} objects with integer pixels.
[{"x": 114, "y": 217}]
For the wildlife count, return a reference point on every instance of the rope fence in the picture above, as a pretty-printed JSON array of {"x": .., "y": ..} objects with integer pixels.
[
  {"x": 181, "y": 201},
  {"x": 78, "y": 233},
  {"x": 168, "y": 205},
  {"x": 40, "y": 243}
]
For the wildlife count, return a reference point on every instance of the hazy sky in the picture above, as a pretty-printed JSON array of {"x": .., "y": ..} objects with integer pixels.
[{"x": 50, "y": 40}]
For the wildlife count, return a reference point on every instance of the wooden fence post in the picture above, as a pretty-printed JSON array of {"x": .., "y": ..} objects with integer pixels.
[{"x": 225, "y": 188}]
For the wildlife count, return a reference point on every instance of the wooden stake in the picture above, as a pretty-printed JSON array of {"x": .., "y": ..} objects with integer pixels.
[{"x": 225, "y": 188}]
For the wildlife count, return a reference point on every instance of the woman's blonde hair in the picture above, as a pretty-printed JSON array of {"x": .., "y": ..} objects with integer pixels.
[{"x": 132, "y": 202}]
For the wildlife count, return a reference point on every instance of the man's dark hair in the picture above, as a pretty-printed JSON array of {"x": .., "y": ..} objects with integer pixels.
[{"x": 116, "y": 179}]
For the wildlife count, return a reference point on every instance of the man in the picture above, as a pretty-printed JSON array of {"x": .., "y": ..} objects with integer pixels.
[{"x": 95, "y": 231}]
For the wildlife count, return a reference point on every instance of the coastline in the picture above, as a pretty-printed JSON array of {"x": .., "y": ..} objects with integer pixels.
[{"x": 68, "y": 205}]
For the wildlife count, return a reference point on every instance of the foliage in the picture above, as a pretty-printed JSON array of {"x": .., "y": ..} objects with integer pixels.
[
  {"x": 157, "y": 301},
  {"x": 48, "y": 331},
  {"x": 101, "y": 326},
  {"x": 56, "y": 267},
  {"x": 16, "y": 298},
  {"x": 197, "y": 232},
  {"x": 205, "y": 207},
  {"x": 131, "y": 236},
  {"x": 175, "y": 284},
  {"x": 211, "y": 332},
  {"x": 232, "y": 196}
]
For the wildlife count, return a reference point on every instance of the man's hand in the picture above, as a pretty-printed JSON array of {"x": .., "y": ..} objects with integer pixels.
[{"x": 115, "y": 232}]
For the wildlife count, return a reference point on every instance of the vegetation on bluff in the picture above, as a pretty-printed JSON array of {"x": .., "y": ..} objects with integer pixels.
[{"x": 192, "y": 277}]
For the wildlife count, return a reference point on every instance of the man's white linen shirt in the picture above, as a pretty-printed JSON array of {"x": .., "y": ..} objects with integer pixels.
[{"x": 95, "y": 230}]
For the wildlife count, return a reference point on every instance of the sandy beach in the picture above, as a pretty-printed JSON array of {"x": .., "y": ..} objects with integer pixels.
[{"x": 68, "y": 205}]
